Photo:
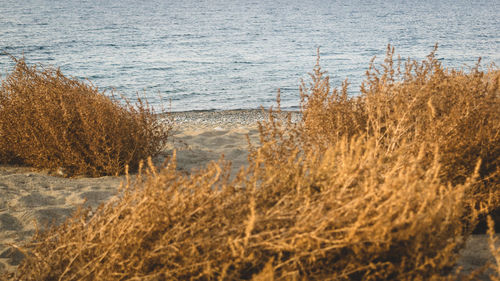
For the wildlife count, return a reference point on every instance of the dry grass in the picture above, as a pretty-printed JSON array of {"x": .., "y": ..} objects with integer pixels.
[
  {"x": 48, "y": 120},
  {"x": 407, "y": 104},
  {"x": 361, "y": 189},
  {"x": 404, "y": 104},
  {"x": 346, "y": 214}
]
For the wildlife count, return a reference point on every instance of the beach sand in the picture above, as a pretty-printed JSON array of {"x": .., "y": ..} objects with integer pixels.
[{"x": 31, "y": 198}]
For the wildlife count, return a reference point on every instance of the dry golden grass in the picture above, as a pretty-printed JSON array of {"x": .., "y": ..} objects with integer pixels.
[
  {"x": 361, "y": 189},
  {"x": 405, "y": 104},
  {"x": 345, "y": 214},
  {"x": 409, "y": 104},
  {"x": 48, "y": 120}
]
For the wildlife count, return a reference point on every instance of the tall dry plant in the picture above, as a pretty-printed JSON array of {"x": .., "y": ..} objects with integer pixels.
[
  {"x": 48, "y": 120},
  {"x": 343, "y": 214},
  {"x": 406, "y": 104}
]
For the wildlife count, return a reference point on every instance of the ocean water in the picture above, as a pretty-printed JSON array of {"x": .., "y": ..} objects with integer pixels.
[{"x": 235, "y": 54}]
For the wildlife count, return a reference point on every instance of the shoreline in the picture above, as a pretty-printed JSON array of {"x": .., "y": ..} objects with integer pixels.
[{"x": 222, "y": 118}]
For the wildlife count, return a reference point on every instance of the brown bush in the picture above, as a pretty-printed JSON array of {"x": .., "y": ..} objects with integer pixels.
[
  {"x": 345, "y": 214},
  {"x": 48, "y": 120},
  {"x": 407, "y": 104}
]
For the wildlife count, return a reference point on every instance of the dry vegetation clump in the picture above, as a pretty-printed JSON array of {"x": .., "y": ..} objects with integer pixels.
[
  {"x": 404, "y": 105},
  {"x": 48, "y": 120},
  {"x": 345, "y": 214}
]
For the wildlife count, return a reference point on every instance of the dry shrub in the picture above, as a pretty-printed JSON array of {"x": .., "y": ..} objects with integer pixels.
[
  {"x": 405, "y": 104},
  {"x": 345, "y": 214},
  {"x": 48, "y": 120}
]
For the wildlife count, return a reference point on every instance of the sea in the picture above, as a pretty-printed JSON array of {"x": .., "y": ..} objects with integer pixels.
[{"x": 186, "y": 55}]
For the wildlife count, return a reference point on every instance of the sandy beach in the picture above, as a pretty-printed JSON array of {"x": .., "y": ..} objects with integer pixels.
[{"x": 31, "y": 198}]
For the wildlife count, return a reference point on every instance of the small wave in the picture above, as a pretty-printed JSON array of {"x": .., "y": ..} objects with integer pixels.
[{"x": 159, "y": 68}]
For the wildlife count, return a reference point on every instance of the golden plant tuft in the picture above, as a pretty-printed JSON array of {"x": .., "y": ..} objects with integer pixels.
[
  {"x": 406, "y": 104},
  {"x": 50, "y": 121},
  {"x": 345, "y": 214}
]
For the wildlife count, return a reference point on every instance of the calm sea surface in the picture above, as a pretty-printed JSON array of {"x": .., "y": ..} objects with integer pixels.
[{"x": 235, "y": 54}]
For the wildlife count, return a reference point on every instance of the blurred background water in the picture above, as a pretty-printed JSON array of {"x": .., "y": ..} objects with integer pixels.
[{"x": 235, "y": 54}]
